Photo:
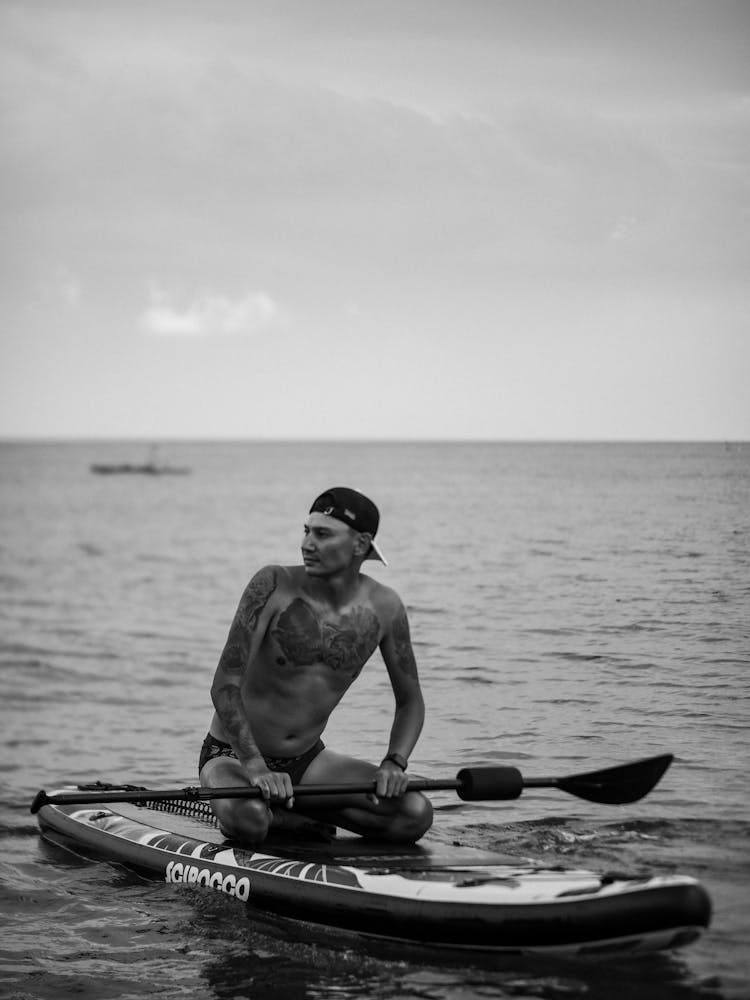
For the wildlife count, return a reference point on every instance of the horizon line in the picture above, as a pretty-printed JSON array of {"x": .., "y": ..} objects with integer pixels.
[{"x": 150, "y": 441}]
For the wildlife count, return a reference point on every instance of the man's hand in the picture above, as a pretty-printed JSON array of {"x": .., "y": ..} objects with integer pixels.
[
  {"x": 390, "y": 782},
  {"x": 276, "y": 786}
]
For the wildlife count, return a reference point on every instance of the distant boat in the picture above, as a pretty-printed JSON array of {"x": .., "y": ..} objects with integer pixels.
[
  {"x": 151, "y": 467},
  {"x": 145, "y": 469}
]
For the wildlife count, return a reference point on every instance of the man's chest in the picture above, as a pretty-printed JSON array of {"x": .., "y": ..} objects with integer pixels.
[{"x": 307, "y": 635}]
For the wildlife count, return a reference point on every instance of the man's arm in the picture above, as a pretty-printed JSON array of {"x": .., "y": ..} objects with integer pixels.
[
  {"x": 246, "y": 633},
  {"x": 401, "y": 664}
]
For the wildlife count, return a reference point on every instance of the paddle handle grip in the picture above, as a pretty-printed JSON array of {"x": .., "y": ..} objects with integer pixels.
[{"x": 477, "y": 784}]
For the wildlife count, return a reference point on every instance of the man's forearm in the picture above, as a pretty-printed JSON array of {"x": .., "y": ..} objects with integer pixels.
[
  {"x": 227, "y": 701},
  {"x": 407, "y": 725}
]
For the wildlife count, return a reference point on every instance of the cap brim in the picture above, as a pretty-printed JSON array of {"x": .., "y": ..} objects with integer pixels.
[{"x": 375, "y": 553}]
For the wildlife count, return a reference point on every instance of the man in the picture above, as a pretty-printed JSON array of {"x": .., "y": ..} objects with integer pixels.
[{"x": 299, "y": 639}]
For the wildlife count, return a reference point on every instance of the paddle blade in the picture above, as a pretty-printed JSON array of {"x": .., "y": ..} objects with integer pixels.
[
  {"x": 618, "y": 785},
  {"x": 39, "y": 800}
]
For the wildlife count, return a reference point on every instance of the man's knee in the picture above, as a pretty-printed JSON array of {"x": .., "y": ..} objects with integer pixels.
[
  {"x": 247, "y": 820},
  {"x": 414, "y": 818},
  {"x": 421, "y": 813}
]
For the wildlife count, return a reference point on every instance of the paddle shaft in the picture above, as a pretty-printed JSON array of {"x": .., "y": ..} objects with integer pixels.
[
  {"x": 194, "y": 793},
  {"x": 470, "y": 783},
  {"x": 615, "y": 785}
]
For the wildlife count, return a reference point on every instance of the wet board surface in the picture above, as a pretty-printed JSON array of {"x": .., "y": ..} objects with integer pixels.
[{"x": 342, "y": 849}]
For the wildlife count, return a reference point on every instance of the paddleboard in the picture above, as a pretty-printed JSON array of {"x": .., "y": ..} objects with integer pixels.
[{"x": 432, "y": 894}]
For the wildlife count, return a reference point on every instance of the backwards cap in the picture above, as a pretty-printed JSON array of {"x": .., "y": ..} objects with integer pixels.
[{"x": 354, "y": 509}]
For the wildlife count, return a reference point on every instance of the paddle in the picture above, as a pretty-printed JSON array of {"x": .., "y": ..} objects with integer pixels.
[{"x": 614, "y": 785}]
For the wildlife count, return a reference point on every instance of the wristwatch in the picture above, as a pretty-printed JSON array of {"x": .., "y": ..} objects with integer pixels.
[{"x": 397, "y": 759}]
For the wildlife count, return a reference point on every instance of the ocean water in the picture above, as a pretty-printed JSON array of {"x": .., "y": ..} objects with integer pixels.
[{"x": 572, "y": 606}]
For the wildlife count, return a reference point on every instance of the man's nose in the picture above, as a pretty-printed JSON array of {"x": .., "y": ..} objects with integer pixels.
[{"x": 307, "y": 543}]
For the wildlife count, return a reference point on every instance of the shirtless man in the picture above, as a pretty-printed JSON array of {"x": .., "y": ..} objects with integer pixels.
[{"x": 299, "y": 639}]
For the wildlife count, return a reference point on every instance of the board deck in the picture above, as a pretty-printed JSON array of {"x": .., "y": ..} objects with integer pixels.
[{"x": 431, "y": 893}]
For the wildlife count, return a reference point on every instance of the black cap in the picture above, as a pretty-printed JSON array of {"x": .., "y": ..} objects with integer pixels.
[{"x": 354, "y": 509}]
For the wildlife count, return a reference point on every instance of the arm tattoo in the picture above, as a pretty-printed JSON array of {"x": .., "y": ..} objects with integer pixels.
[
  {"x": 402, "y": 645},
  {"x": 229, "y": 706},
  {"x": 252, "y": 603},
  {"x": 226, "y": 692},
  {"x": 228, "y": 703},
  {"x": 255, "y": 598}
]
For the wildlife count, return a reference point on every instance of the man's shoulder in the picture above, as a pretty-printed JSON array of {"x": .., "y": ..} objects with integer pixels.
[
  {"x": 272, "y": 571},
  {"x": 285, "y": 580},
  {"x": 271, "y": 579},
  {"x": 383, "y": 597}
]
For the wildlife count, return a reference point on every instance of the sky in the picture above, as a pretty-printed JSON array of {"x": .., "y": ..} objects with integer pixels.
[{"x": 375, "y": 219}]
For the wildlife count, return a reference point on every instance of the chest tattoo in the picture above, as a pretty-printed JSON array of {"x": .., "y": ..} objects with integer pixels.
[{"x": 342, "y": 644}]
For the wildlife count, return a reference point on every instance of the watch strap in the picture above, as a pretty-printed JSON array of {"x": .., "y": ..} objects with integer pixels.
[{"x": 397, "y": 759}]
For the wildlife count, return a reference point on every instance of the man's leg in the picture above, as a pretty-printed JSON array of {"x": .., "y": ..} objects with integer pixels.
[
  {"x": 242, "y": 819},
  {"x": 250, "y": 820},
  {"x": 405, "y": 819}
]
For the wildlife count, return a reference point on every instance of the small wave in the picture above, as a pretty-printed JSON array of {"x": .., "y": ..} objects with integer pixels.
[
  {"x": 21, "y": 831},
  {"x": 549, "y": 631},
  {"x": 565, "y": 701},
  {"x": 581, "y": 657},
  {"x": 39, "y": 655},
  {"x": 161, "y": 681},
  {"x": 719, "y": 661},
  {"x": 563, "y": 835},
  {"x": 644, "y": 625},
  {"x": 156, "y": 557},
  {"x": 667, "y": 844},
  {"x": 89, "y": 549},
  {"x": 452, "y": 806},
  {"x": 506, "y": 754},
  {"x": 19, "y": 674}
]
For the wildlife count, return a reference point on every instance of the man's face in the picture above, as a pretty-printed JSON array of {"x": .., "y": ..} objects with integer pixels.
[{"x": 328, "y": 545}]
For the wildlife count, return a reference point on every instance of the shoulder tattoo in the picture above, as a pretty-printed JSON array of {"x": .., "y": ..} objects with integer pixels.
[
  {"x": 255, "y": 598},
  {"x": 252, "y": 603}
]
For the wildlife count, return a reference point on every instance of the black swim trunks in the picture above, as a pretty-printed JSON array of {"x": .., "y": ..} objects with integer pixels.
[{"x": 295, "y": 767}]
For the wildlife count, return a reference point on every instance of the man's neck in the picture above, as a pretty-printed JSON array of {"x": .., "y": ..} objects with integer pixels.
[{"x": 339, "y": 589}]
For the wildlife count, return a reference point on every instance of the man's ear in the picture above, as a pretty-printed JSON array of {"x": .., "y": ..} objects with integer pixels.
[{"x": 362, "y": 543}]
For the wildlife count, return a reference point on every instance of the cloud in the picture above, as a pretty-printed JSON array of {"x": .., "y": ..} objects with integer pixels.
[
  {"x": 624, "y": 228},
  {"x": 207, "y": 315},
  {"x": 70, "y": 290},
  {"x": 60, "y": 286}
]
